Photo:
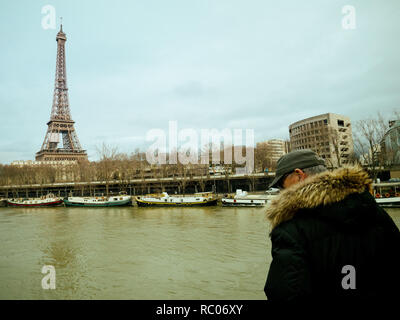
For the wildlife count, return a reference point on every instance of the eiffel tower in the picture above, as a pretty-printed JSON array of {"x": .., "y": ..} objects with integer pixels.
[{"x": 60, "y": 119}]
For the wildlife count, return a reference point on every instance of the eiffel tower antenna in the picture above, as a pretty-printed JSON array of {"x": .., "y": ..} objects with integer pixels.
[{"x": 61, "y": 123}]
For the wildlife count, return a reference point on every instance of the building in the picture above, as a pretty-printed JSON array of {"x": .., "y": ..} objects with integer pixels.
[
  {"x": 390, "y": 146},
  {"x": 61, "y": 123},
  {"x": 329, "y": 135},
  {"x": 276, "y": 148},
  {"x": 267, "y": 154}
]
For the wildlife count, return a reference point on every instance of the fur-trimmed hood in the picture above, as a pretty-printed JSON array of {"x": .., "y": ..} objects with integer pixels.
[{"x": 320, "y": 189}]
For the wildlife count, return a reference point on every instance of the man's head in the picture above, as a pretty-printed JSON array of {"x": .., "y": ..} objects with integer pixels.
[{"x": 296, "y": 166}]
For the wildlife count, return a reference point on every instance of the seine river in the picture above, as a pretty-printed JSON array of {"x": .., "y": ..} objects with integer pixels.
[{"x": 136, "y": 253}]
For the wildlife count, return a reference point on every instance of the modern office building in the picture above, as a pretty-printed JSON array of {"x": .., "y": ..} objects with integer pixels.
[{"x": 329, "y": 135}]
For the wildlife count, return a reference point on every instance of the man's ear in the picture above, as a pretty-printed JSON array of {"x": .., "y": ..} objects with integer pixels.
[{"x": 300, "y": 173}]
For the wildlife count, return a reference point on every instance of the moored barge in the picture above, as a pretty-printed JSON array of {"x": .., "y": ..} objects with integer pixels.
[
  {"x": 46, "y": 201},
  {"x": 103, "y": 201},
  {"x": 242, "y": 199},
  {"x": 165, "y": 200}
]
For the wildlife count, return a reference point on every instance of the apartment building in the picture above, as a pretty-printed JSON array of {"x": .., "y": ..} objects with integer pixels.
[{"x": 329, "y": 135}]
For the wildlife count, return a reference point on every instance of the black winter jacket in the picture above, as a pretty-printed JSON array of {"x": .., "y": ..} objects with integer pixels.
[{"x": 320, "y": 226}]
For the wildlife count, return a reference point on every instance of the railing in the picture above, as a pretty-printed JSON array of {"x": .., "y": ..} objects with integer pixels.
[{"x": 62, "y": 151}]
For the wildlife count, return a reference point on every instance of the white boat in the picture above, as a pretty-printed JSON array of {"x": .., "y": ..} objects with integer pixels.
[
  {"x": 388, "y": 202},
  {"x": 46, "y": 201},
  {"x": 387, "y": 194},
  {"x": 242, "y": 199},
  {"x": 102, "y": 201},
  {"x": 165, "y": 200}
]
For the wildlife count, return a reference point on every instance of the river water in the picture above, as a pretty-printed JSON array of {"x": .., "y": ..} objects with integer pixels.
[{"x": 136, "y": 253}]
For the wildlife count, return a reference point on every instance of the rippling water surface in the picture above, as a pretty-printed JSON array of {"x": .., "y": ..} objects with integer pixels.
[{"x": 136, "y": 253}]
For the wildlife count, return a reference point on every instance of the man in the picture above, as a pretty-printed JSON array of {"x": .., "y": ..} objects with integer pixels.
[{"x": 330, "y": 239}]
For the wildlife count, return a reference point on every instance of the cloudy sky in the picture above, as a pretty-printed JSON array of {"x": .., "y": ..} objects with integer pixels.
[{"x": 135, "y": 65}]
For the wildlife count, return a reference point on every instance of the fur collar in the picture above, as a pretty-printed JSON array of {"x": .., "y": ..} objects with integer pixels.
[{"x": 320, "y": 189}]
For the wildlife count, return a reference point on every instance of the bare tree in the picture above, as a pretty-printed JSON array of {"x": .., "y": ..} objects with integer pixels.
[
  {"x": 262, "y": 157},
  {"x": 202, "y": 174},
  {"x": 339, "y": 147},
  {"x": 183, "y": 173},
  {"x": 368, "y": 138},
  {"x": 107, "y": 163}
]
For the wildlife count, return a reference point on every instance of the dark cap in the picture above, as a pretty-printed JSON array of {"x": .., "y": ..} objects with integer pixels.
[{"x": 300, "y": 159}]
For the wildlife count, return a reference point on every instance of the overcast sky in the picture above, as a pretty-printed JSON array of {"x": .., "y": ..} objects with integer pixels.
[{"x": 134, "y": 65}]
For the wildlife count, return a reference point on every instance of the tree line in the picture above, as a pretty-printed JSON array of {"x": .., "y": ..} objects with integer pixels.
[{"x": 368, "y": 135}]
